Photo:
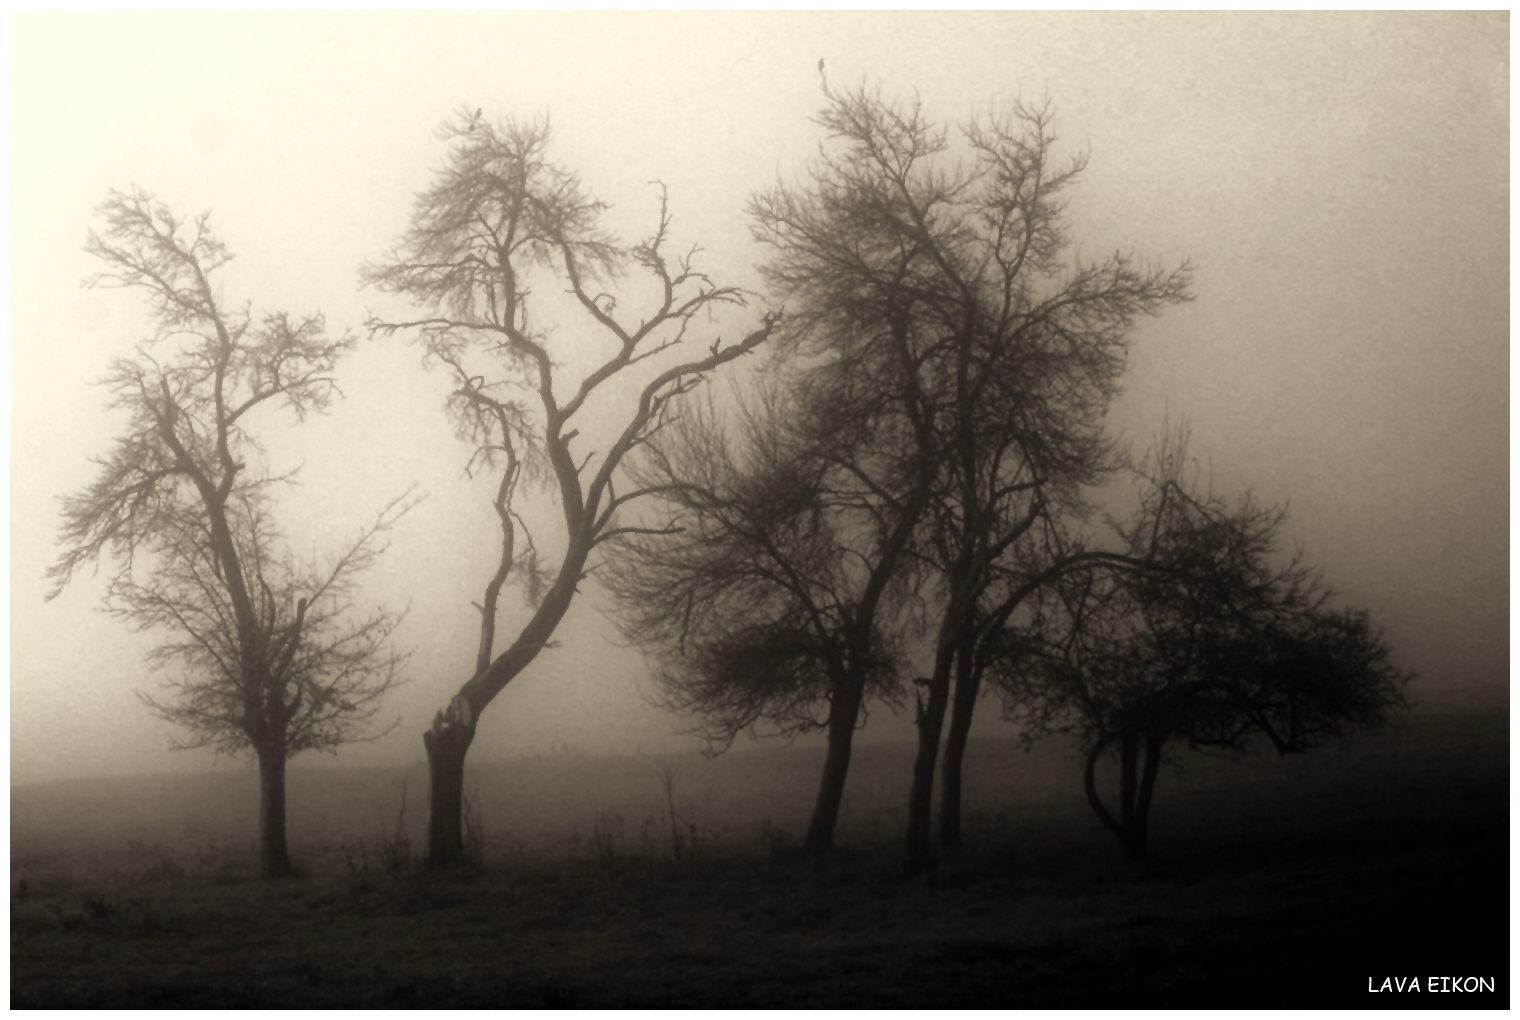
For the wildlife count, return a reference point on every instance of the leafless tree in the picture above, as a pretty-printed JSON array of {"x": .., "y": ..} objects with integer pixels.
[
  {"x": 268, "y": 655},
  {"x": 1223, "y": 645},
  {"x": 931, "y": 281},
  {"x": 769, "y": 611},
  {"x": 499, "y": 217}
]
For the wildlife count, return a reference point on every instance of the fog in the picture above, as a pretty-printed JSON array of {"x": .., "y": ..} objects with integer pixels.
[{"x": 1340, "y": 184}]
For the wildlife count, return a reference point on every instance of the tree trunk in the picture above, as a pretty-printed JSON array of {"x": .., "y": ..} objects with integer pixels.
[
  {"x": 931, "y": 719},
  {"x": 454, "y": 729},
  {"x": 1131, "y": 822},
  {"x": 1090, "y": 785},
  {"x": 967, "y": 686},
  {"x": 446, "y": 743},
  {"x": 836, "y": 766},
  {"x": 1154, "y": 742},
  {"x": 274, "y": 854},
  {"x": 1133, "y": 802}
]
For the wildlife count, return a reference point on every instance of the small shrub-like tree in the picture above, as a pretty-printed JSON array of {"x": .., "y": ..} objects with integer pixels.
[{"x": 1213, "y": 645}]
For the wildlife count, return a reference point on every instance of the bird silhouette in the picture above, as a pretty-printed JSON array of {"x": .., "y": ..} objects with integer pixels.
[{"x": 820, "y": 65}]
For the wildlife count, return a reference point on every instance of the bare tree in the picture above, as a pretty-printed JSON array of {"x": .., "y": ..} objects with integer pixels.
[
  {"x": 267, "y": 658},
  {"x": 934, "y": 284},
  {"x": 500, "y": 216},
  {"x": 1222, "y": 646},
  {"x": 769, "y": 611}
]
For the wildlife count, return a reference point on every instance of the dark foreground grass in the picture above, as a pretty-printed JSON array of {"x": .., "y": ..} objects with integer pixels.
[
  {"x": 1304, "y": 922},
  {"x": 1273, "y": 883}
]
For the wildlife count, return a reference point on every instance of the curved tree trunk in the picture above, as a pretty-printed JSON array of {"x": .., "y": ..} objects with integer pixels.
[
  {"x": 447, "y": 743},
  {"x": 274, "y": 854},
  {"x": 1135, "y": 788},
  {"x": 843, "y": 714},
  {"x": 453, "y": 730},
  {"x": 1123, "y": 826}
]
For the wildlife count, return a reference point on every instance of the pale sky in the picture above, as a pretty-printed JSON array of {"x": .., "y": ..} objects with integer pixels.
[{"x": 1339, "y": 182}]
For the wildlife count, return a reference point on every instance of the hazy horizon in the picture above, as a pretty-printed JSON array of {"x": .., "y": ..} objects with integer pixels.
[{"x": 1340, "y": 183}]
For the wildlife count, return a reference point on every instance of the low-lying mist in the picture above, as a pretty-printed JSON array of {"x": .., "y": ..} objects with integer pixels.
[{"x": 758, "y": 799}]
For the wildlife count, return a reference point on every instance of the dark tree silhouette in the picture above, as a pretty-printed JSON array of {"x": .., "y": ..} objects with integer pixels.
[
  {"x": 499, "y": 216},
  {"x": 932, "y": 284},
  {"x": 1220, "y": 647},
  {"x": 945, "y": 376},
  {"x": 268, "y": 654},
  {"x": 769, "y": 610}
]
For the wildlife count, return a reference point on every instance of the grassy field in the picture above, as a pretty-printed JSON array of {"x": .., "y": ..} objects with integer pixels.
[{"x": 675, "y": 882}]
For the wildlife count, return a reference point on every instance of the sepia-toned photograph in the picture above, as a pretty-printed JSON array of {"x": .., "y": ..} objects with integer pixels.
[{"x": 765, "y": 510}]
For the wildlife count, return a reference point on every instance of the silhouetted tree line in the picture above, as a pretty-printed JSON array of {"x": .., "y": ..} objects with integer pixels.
[
  {"x": 907, "y": 494},
  {"x": 895, "y": 509}
]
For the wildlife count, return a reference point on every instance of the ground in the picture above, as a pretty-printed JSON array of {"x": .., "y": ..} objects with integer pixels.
[{"x": 1297, "y": 895}]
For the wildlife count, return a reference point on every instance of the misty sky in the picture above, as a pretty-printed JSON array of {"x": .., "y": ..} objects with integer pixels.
[{"x": 1339, "y": 182}]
